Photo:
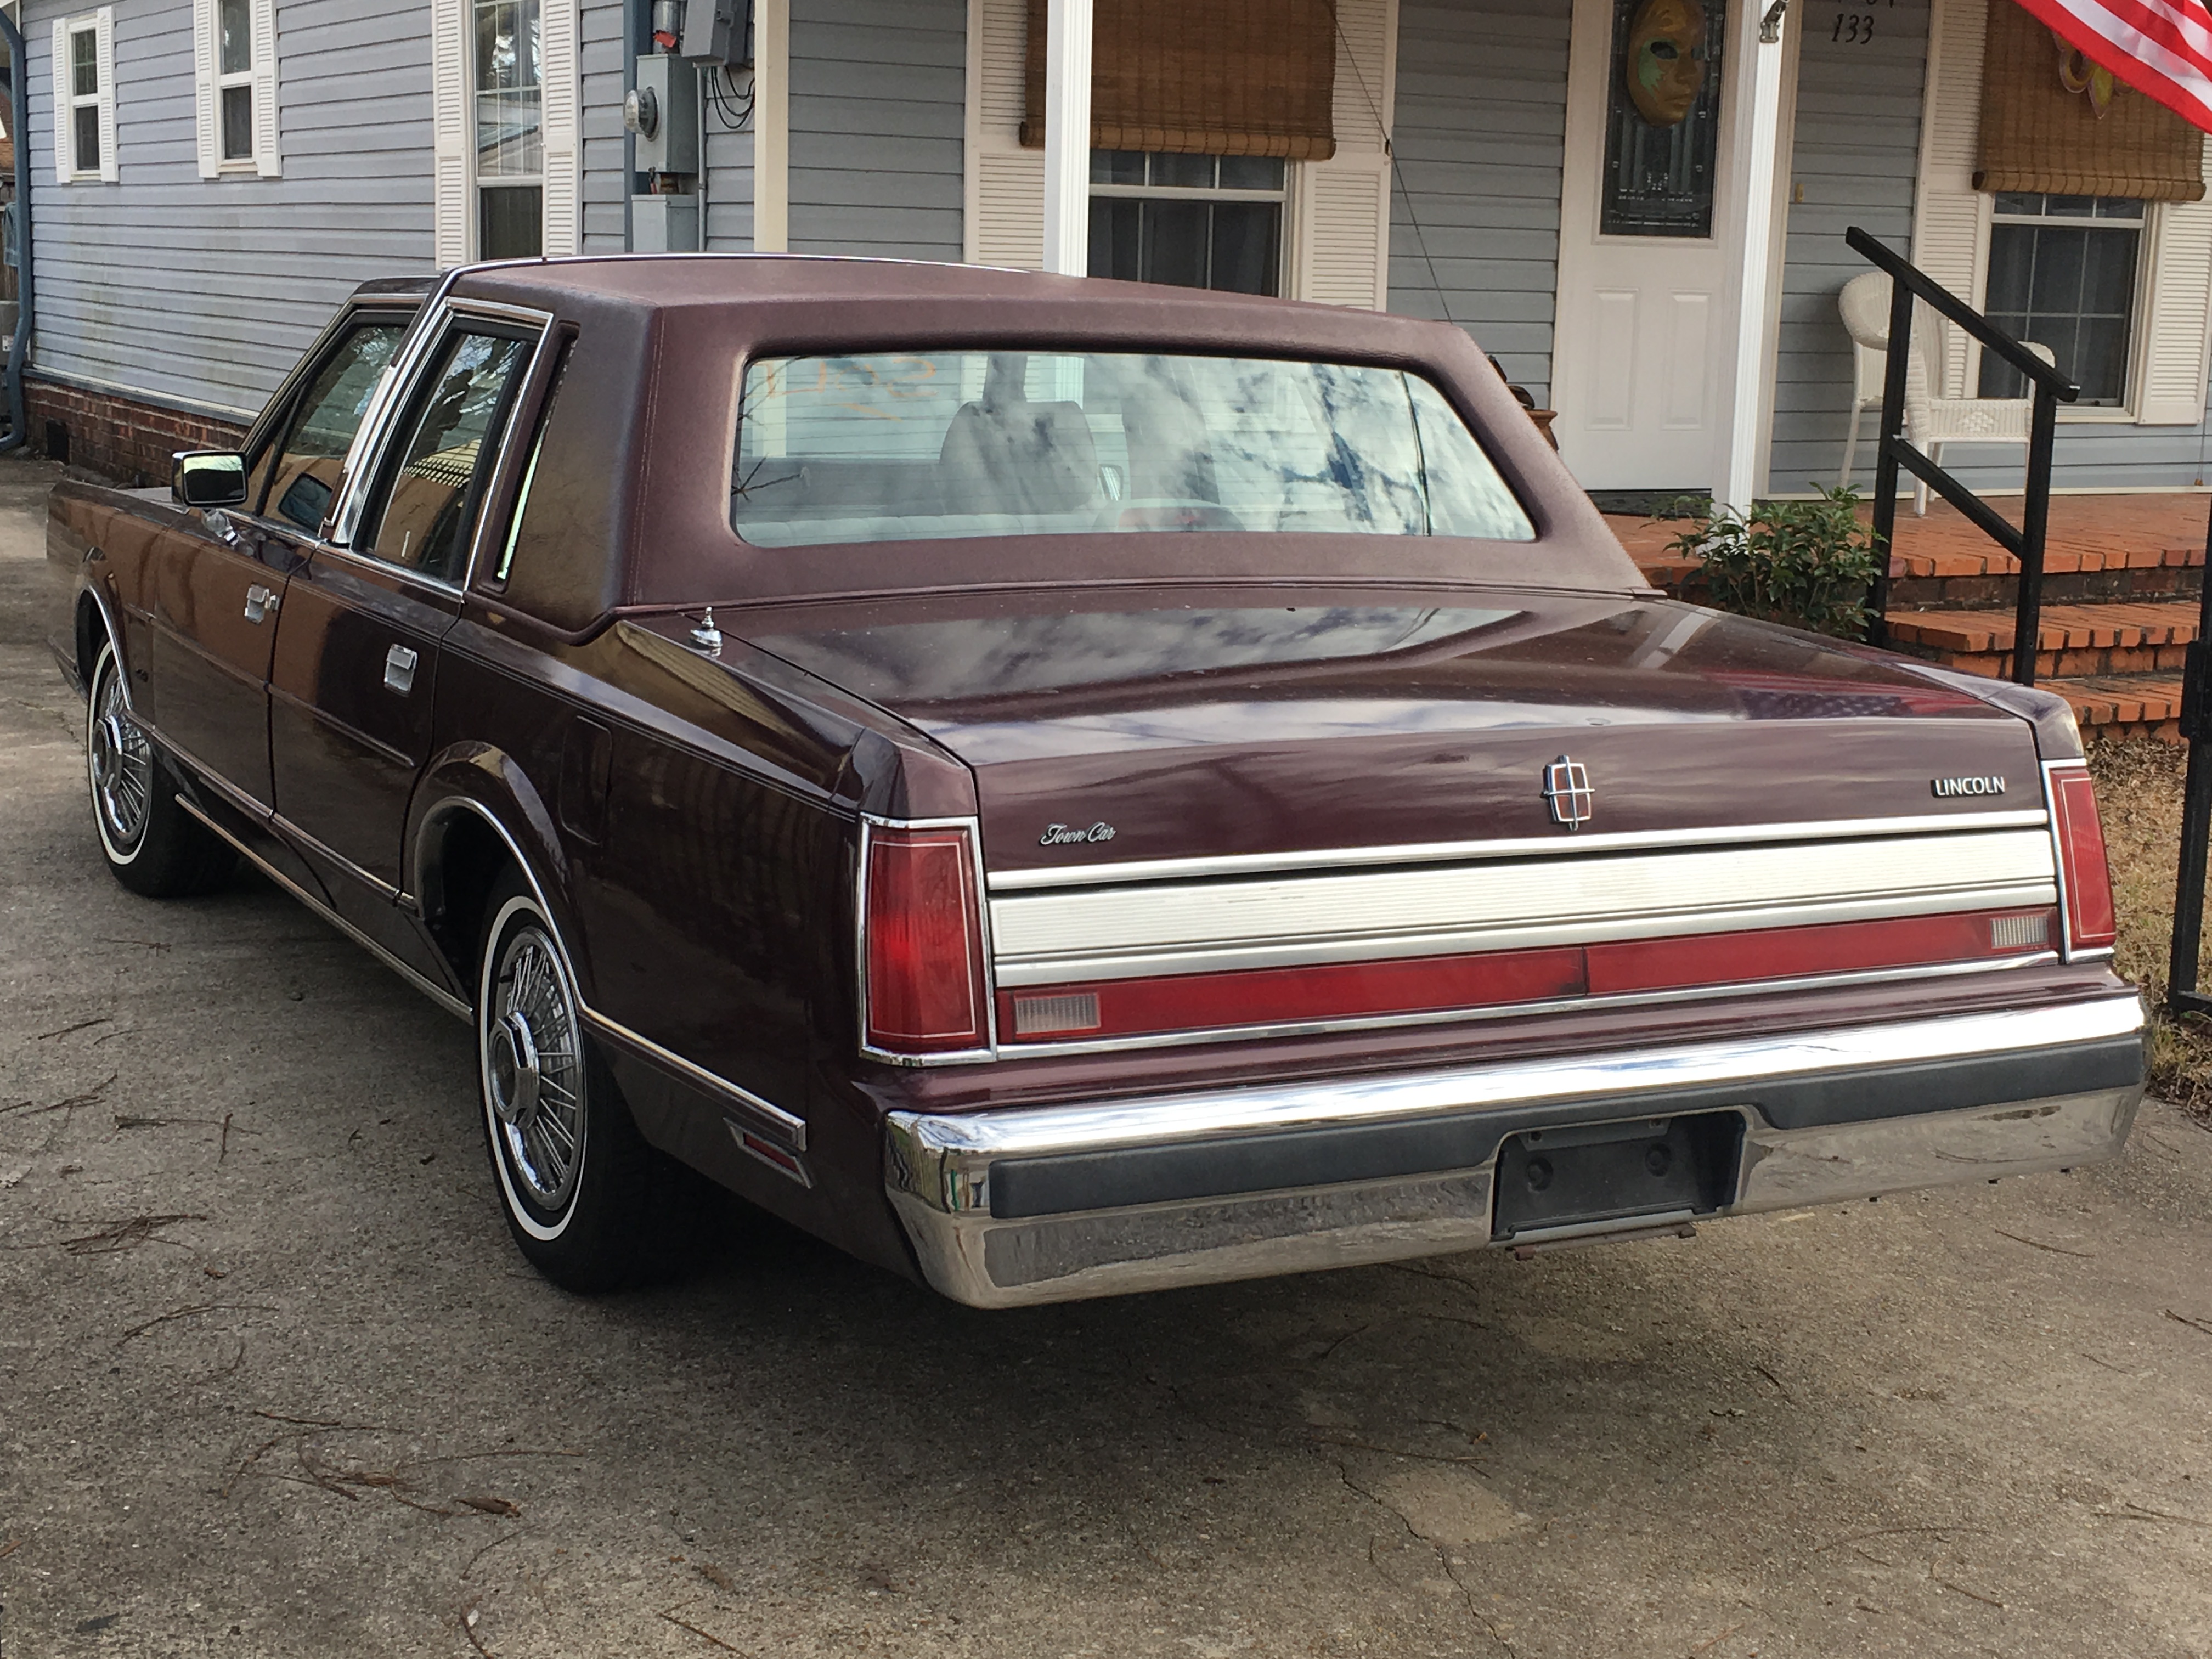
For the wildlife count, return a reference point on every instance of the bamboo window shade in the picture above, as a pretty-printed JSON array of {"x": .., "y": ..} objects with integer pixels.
[
  {"x": 2037, "y": 136},
  {"x": 1204, "y": 77}
]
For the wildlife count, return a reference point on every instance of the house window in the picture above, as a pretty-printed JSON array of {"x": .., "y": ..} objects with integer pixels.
[
  {"x": 1194, "y": 221},
  {"x": 2063, "y": 275},
  {"x": 235, "y": 78},
  {"x": 84, "y": 97},
  {"x": 510, "y": 144}
]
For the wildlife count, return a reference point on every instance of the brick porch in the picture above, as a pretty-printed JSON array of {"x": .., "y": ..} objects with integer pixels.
[{"x": 2121, "y": 579}]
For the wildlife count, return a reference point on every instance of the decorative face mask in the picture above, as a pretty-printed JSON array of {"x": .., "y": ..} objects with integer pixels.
[{"x": 1666, "y": 59}]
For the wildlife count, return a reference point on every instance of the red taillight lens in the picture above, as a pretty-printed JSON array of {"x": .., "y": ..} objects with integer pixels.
[
  {"x": 2090, "y": 922},
  {"x": 924, "y": 939}
]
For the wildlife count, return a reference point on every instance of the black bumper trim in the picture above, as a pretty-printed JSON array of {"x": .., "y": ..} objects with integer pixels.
[{"x": 1076, "y": 1182}]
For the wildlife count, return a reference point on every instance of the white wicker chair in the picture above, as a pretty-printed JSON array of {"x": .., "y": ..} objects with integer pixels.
[{"x": 1930, "y": 422}]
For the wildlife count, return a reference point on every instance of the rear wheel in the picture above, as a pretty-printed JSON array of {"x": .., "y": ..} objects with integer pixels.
[
  {"x": 577, "y": 1179},
  {"x": 152, "y": 845}
]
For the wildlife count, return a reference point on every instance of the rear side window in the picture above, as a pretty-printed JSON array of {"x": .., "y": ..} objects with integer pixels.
[
  {"x": 304, "y": 470},
  {"x": 424, "y": 516},
  {"x": 899, "y": 446}
]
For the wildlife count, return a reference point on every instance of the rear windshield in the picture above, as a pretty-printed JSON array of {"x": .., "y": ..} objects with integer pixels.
[{"x": 901, "y": 446}]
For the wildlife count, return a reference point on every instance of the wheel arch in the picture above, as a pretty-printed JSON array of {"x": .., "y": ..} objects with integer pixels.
[{"x": 475, "y": 814}]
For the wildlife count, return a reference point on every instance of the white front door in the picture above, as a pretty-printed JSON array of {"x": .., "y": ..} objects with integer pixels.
[{"x": 1650, "y": 235}]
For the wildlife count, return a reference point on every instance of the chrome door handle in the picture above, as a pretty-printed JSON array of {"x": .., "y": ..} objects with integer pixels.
[
  {"x": 259, "y": 602},
  {"x": 399, "y": 670}
]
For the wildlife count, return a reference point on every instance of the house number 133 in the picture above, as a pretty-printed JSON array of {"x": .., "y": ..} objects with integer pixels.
[{"x": 1853, "y": 28}]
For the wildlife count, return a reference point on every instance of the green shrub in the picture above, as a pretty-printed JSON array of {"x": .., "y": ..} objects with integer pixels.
[{"x": 1809, "y": 564}]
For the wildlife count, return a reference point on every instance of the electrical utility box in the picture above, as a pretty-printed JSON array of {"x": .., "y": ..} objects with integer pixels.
[
  {"x": 664, "y": 224},
  {"x": 717, "y": 32},
  {"x": 664, "y": 113}
]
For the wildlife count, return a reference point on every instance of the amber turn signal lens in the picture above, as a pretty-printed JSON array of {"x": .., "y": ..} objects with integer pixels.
[
  {"x": 924, "y": 943},
  {"x": 2091, "y": 923}
]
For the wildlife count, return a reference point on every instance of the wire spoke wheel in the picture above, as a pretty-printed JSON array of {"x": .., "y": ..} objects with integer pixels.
[
  {"x": 533, "y": 1070},
  {"x": 121, "y": 758}
]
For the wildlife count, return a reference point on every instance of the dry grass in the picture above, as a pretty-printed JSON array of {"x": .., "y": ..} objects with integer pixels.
[{"x": 2139, "y": 794}]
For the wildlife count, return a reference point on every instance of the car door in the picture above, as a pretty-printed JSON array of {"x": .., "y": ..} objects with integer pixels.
[
  {"x": 356, "y": 653},
  {"x": 220, "y": 574}
]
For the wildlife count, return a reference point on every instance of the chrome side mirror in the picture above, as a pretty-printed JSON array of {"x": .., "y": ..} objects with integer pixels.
[{"x": 207, "y": 477}]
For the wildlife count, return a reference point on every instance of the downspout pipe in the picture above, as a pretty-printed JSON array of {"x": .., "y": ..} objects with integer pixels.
[
  {"x": 19, "y": 128},
  {"x": 637, "y": 24}
]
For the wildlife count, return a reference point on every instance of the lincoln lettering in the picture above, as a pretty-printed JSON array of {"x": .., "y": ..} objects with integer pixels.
[{"x": 1945, "y": 788}]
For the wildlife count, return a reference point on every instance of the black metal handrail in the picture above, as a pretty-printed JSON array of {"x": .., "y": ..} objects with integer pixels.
[
  {"x": 2182, "y": 995},
  {"x": 2051, "y": 388}
]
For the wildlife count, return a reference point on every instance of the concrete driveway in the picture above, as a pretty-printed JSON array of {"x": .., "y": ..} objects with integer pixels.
[{"x": 273, "y": 1382}]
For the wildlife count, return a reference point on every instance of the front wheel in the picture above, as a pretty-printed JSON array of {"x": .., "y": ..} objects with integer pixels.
[
  {"x": 576, "y": 1177},
  {"x": 152, "y": 845}
]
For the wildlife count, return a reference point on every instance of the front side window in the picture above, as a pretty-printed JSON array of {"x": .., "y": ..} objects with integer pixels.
[
  {"x": 902, "y": 446},
  {"x": 1194, "y": 221},
  {"x": 510, "y": 144},
  {"x": 426, "y": 502},
  {"x": 2063, "y": 275},
  {"x": 304, "y": 468}
]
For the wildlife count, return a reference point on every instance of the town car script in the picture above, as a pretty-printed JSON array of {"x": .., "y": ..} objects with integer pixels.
[{"x": 1063, "y": 787}]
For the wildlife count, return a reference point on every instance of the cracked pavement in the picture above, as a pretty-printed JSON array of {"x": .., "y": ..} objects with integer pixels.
[{"x": 273, "y": 1380}]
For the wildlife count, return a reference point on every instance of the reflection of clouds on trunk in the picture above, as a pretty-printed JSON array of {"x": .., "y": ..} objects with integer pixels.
[
  {"x": 1294, "y": 719},
  {"x": 931, "y": 661}
]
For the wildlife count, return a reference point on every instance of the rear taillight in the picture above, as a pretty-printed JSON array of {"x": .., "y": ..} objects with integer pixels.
[
  {"x": 923, "y": 943},
  {"x": 2090, "y": 923}
]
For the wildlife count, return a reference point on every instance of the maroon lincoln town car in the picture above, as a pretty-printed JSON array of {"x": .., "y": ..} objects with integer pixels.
[{"x": 1063, "y": 787}]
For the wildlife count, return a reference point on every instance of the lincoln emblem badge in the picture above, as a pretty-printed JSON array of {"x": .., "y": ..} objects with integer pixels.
[{"x": 1567, "y": 789}]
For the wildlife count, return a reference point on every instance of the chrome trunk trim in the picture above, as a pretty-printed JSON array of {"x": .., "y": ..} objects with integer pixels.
[{"x": 1344, "y": 858}]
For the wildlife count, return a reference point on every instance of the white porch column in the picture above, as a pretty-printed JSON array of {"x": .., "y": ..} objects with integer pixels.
[
  {"x": 1759, "y": 136},
  {"x": 1067, "y": 137},
  {"x": 771, "y": 127}
]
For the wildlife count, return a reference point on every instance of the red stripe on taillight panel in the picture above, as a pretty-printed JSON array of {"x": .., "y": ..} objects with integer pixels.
[
  {"x": 1275, "y": 996},
  {"x": 2091, "y": 923},
  {"x": 1838, "y": 947},
  {"x": 924, "y": 942},
  {"x": 1360, "y": 990}
]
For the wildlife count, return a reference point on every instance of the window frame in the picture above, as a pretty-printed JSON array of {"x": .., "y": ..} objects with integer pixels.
[
  {"x": 358, "y": 519},
  {"x": 2145, "y": 227},
  {"x": 99, "y": 25},
  {"x": 1282, "y": 198},
  {"x": 264, "y": 159},
  {"x": 479, "y": 182}
]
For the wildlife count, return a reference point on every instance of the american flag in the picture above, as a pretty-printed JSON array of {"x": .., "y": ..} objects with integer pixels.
[{"x": 2161, "y": 48}]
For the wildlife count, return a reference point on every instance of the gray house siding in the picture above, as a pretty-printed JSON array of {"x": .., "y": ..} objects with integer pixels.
[
  {"x": 1857, "y": 163},
  {"x": 599, "y": 68},
  {"x": 203, "y": 292},
  {"x": 1475, "y": 222},
  {"x": 877, "y": 99}
]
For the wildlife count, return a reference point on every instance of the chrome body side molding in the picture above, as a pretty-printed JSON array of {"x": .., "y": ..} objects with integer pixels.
[{"x": 1175, "y": 1189}]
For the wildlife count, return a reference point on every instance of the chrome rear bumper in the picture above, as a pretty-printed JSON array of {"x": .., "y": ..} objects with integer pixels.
[{"x": 1055, "y": 1203}]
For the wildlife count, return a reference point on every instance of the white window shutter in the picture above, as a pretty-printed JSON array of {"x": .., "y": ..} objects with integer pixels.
[
  {"x": 1004, "y": 224},
  {"x": 1341, "y": 252},
  {"x": 268, "y": 151},
  {"x": 556, "y": 48},
  {"x": 64, "y": 118},
  {"x": 2179, "y": 307},
  {"x": 449, "y": 125},
  {"x": 104, "y": 34},
  {"x": 1950, "y": 220},
  {"x": 203, "y": 92}
]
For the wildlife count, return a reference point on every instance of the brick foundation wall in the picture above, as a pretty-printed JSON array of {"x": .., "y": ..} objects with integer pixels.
[{"x": 117, "y": 437}]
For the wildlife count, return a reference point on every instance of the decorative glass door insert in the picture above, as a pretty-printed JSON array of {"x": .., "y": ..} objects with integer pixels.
[{"x": 1662, "y": 119}]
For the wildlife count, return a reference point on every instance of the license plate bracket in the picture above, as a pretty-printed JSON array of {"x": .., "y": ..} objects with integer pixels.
[{"x": 1588, "y": 1177}]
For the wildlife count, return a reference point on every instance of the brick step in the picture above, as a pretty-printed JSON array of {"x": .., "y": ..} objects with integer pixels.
[
  {"x": 2075, "y": 641},
  {"x": 2147, "y": 705}
]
